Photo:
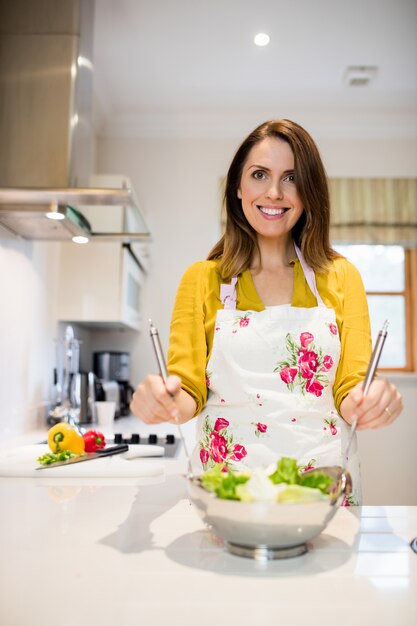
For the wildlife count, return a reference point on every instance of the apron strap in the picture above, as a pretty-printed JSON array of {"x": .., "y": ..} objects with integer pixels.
[
  {"x": 309, "y": 275},
  {"x": 228, "y": 292}
]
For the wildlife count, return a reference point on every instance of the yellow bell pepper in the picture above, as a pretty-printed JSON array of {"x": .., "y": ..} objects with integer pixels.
[{"x": 63, "y": 437}]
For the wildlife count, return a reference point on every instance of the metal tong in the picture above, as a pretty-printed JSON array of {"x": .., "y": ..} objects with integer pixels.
[
  {"x": 369, "y": 376},
  {"x": 164, "y": 375}
]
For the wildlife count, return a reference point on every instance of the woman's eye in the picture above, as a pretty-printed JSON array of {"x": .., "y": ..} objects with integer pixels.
[
  {"x": 290, "y": 178},
  {"x": 259, "y": 175}
]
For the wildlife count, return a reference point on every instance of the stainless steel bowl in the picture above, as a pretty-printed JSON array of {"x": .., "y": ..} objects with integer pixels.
[{"x": 264, "y": 530}]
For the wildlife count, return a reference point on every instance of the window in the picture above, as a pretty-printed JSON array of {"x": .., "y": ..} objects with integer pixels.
[{"x": 384, "y": 273}]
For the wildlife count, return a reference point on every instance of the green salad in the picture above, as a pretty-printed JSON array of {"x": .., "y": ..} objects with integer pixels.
[{"x": 287, "y": 484}]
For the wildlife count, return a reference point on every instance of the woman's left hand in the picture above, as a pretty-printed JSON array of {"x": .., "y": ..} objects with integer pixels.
[{"x": 380, "y": 407}]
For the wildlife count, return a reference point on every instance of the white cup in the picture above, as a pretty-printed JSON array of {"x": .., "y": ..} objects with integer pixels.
[{"x": 105, "y": 415}]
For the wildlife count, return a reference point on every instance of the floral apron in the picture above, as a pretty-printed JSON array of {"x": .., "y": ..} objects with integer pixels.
[{"x": 270, "y": 388}]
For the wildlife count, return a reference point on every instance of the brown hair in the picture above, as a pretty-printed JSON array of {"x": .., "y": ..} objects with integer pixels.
[{"x": 311, "y": 232}]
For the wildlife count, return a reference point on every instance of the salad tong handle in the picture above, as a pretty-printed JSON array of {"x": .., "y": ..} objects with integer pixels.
[
  {"x": 164, "y": 375},
  {"x": 369, "y": 376}
]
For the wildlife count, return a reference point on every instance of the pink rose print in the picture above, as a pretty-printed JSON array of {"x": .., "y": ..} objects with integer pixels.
[
  {"x": 333, "y": 329},
  {"x": 327, "y": 363},
  {"x": 293, "y": 419},
  {"x": 222, "y": 400},
  {"x": 349, "y": 501},
  {"x": 239, "y": 452},
  {"x": 306, "y": 339},
  {"x": 288, "y": 374},
  {"x": 260, "y": 429},
  {"x": 307, "y": 363},
  {"x": 208, "y": 375},
  {"x": 241, "y": 321},
  {"x": 220, "y": 423},
  {"x": 305, "y": 366},
  {"x": 217, "y": 328},
  {"x": 218, "y": 448},
  {"x": 332, "y": 425},
  {"x": 309, "y": 466},
  {"x": 313, "y": 386},
  {"x": 204, "y": 456}
]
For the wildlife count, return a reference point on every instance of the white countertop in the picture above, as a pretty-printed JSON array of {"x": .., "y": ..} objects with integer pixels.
[{"x": 87, "y": 552}]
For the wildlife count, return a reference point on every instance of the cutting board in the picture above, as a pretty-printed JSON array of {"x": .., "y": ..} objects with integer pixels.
[{"x": 22, "y": 461}]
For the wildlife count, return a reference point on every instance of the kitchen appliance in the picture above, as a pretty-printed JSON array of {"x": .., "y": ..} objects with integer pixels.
[
  {"x": 109, "y": 365},
  {"x": 74, "y": 391},
  {"x": 112, "y": 371}
]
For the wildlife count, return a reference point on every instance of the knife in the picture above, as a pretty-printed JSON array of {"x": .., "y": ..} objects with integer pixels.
[{"x": 89, "y": 456}]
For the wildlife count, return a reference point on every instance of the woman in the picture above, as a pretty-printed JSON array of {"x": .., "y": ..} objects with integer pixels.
[{"x": 270, "y": 336}]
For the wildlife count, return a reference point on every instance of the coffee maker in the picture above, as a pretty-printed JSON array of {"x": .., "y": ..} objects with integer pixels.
[{"x": 112, "y": 371}]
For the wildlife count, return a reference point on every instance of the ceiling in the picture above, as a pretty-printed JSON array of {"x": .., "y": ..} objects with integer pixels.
[{"x": 189, "y": 67}]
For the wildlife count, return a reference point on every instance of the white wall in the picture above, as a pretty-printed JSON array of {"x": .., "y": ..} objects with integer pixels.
[{"x": 28, "y": 282}]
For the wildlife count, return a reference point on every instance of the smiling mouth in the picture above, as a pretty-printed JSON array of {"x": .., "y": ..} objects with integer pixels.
[{"x": 272, "y": 212}]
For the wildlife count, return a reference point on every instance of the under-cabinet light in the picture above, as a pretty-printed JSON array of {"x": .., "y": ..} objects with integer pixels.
[{"x": 80, "y": 239}]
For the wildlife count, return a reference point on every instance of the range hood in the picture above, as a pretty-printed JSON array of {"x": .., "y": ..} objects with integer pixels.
[
  {"x": 24, "y": 212},
  {"x": 46, "y": 126}
]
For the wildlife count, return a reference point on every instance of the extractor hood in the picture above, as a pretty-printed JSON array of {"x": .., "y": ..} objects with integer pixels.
[
  {"x": 52, "y": 214},
  {"x": 46, "y": 125}
]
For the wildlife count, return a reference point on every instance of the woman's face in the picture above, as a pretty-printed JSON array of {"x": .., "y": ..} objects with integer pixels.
[{"x": 268, "y": 189}]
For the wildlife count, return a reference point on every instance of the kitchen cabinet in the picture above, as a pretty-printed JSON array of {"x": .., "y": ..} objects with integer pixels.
[
  {"x": 101, "y": 282},
  {"x": 100, "y": 285}
]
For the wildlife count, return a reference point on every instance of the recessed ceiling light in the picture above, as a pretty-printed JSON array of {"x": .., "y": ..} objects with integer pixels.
[
  {"x": 360, "y": 75},
  {"x": 261, "y": 39}
]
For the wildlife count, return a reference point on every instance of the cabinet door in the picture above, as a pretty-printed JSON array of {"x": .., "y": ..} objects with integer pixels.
[
  {"x": 99, "y": 285},
  {"x": 132, "y": 281}
]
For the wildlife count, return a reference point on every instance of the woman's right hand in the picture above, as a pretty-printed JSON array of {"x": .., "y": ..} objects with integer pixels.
[{"x": 155, "y": 402}]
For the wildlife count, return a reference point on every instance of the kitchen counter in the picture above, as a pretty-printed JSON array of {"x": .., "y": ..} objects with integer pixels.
[{"x": 90, "y": 552}]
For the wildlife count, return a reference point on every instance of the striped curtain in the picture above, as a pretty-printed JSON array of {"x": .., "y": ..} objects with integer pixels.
[{"x": 374, "y": 211}]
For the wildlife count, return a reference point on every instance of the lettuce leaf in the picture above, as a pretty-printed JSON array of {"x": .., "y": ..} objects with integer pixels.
[
  {"x": 289, "y": 472},
  {"x": 286, "y": 472},
  {"x": 230, "y": 485},
  {"x": 223, "y": 484},
  {"x": 295, "y": 494}
]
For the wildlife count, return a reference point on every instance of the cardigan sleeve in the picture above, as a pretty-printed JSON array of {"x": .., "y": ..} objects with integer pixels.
[
  {"x": 354, "y": 329},
  {"x": 191, "y": 329}
]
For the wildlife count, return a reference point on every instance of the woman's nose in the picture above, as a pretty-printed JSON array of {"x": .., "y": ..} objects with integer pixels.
[{"x": 274, "y": 190}]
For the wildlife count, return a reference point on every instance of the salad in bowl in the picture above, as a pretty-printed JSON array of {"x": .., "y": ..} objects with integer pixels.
[{"x": 270, "y": 512}]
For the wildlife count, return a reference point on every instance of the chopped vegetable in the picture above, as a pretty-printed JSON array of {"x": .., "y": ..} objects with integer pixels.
[
  {"x": 287, "y": 484},
  {"x": 50, "y": 457},
  {"x": 223, "y": 484},
  {"x": 289, "y": 472},
  {"x": 295, "y": 494},
  {"x": 62, "y": 437},
  {"x": 93, "y": 441}
]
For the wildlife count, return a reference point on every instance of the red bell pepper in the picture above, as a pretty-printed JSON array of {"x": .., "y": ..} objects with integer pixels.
[{"x": 94, "y": 441}]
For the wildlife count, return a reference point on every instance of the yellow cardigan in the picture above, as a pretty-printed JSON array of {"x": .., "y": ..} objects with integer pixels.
[{"x": 198, "y": 299}]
